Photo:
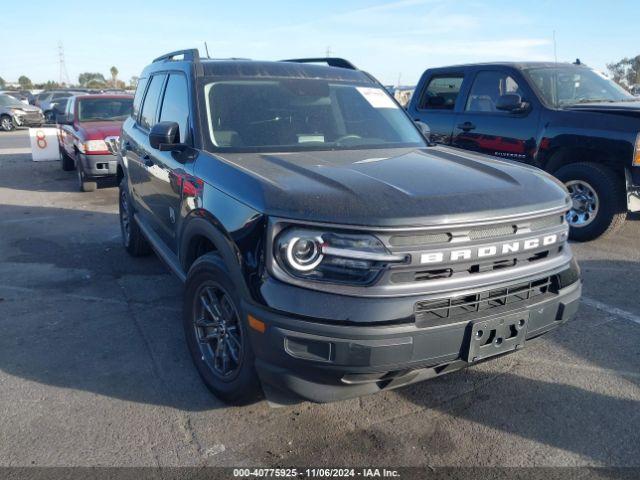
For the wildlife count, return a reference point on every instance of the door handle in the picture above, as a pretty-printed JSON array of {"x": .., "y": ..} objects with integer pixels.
[
  {"x": 466, "y": 126},
  {"x": 148, "y": 161}
]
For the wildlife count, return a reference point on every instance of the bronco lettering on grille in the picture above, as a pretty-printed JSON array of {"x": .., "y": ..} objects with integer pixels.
[{"x": 486, "y": 251}]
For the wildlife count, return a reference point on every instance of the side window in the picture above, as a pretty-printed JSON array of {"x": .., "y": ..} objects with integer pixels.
[
  {"x": 175, "y": 106},
  {"x": 151, "y": 99},
  {"x": 137, "y": 99},
  {"x": 487, "y": 88},
  {"x": 70, "y": 104},
  {"x": 441, "y": 92}
]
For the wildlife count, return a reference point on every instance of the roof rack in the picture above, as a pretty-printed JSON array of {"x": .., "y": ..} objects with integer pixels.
[
  {"x": 189, "y": 55},
  {"x": 331, "y": 61}
]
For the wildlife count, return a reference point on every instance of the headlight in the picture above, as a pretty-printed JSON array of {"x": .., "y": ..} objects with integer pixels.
[
  {"x": 331, "y": 256},
  {"x": 636, "y": 152},
  {"x": 94, "y": 146}
]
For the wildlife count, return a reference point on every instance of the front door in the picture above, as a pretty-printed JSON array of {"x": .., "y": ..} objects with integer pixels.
[
  {"x": 481, "y": 127},
  {"x": 168, "y": 170}
]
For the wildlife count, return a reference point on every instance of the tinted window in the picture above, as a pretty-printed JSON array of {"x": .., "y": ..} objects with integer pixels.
[
  {"x": 150, "y": 105},
  {"x": 175, "y": 106},
  {"x": 60, "y": 95},
  {"x": 441, "y": 93},
  {"x": 103, "y": 109},
  {"x": 487, "y": 88},
  {"x": 137, "y": 99},
  {"x": 305, "y": 114}
]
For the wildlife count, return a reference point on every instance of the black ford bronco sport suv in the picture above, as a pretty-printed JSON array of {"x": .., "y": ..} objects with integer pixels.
[
  {"x": 325, "y": 247},
  {"x": 564, "y": 118}
]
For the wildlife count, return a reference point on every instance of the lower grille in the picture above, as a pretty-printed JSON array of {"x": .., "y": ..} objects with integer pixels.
[{"x": 456, "y": 307}]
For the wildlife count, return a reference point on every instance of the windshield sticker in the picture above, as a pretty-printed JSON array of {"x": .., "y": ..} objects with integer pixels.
[
  {"x": 310, "y": 138},
  {"x": 376, "y": 97}
]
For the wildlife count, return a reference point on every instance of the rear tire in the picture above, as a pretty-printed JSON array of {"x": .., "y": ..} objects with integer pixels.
[
  {"x": 133, "y": 239},
  {"x": 602, "y": 190},
  {"x": 225, "y": 364}
]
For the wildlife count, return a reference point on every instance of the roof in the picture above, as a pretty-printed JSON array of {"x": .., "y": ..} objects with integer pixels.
[
  {"x": 518, "y": 65},
  {"x": 104, "y": 95},
  {"x": 255, "y": 68}
]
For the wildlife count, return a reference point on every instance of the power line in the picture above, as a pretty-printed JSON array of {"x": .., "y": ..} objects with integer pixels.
[{"x": 64, "y": 75}]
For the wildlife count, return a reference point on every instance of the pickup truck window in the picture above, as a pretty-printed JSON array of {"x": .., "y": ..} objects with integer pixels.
[
  {"x": 441, "y": 93},
  {"x": 103, "y": 109},
  {"x": 566, "y": 85},
  {"x": 487, "y": 87}
]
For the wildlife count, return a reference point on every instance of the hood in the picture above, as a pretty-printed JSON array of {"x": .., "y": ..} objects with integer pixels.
[
  {"x": 399, "y": 187},
  {"x": 100, "y": 130},
  {"x": 631, "y": 108}
]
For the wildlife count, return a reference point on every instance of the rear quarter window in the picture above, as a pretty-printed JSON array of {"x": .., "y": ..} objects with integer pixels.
[{"x": 137, "y": 99}]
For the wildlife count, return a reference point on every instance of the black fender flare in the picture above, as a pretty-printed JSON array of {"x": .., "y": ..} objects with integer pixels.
[{"x": 211, "y": 229}]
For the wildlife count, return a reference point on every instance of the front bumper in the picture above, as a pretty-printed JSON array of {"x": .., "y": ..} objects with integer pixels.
[
  {"x": 632, "y": 181},
  {"x": 28, "y": 120},
  {"x": 324, "y": 362},
  {"x": 99, "y": 165}
]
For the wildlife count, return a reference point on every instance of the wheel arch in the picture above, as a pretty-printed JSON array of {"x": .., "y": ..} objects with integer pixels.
[
  {"x": 203, "y": 233},
  {"x": 566, "y": 155}
]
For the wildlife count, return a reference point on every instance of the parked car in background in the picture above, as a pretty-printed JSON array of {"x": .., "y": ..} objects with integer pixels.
[
  {"x": 24, "y": 96},
  {"x": 325, "y": 248},
  {"x": 564, "y": 118},
  {"x": 46, "y": 103},
  {"x": 89, "y": 128},
  {"x": 58, "y": 107},
  {"x": 14, "y": 113}
]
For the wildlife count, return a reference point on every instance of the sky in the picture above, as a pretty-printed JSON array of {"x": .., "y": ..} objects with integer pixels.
[{"x": 395, "y": 40}]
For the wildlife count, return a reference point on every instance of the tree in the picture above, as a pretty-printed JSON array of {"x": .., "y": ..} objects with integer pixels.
[
  {"x": 133, "y": 83},
  {"x": 626, "y": 72},
  {"x": 25, "y": 82},
  {"x": 85, "y": 78},
  {"x": 2, "y": 83},
  {"x": 114, "y": 75}
]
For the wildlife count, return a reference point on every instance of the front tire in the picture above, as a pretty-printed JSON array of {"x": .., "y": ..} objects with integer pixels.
[
  {"x": 6, "y": 123},
  {"x": 597, "y": 193},
  {"x": 216, "y": 332},
  {"x": 133, "y": 239},
  {"x": 66, "y": 162},
  {"x": 83, "y": 184}
]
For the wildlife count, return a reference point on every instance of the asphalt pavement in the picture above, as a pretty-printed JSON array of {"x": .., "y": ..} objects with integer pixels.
[{"x": 94, "y": 370}]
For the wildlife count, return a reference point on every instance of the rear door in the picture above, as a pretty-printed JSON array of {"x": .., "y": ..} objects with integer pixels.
[
  {"x": 483, "y": 128},
  {"x": 438, "y": 99},
  {"x": 138, "y": 148}
]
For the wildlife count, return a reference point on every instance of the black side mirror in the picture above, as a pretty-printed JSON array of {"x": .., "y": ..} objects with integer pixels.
[
  {"x": 511, "y": 102},
  {"x": 165, "y": 136}
]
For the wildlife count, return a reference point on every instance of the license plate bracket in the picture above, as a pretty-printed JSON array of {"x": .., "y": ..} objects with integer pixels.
[{"x": 494, "y": 336}]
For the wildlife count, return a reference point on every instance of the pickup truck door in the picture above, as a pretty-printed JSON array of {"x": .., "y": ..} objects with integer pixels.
[
  {"x": 483, "y": 128},
  {"x": 437, "y": 99}
]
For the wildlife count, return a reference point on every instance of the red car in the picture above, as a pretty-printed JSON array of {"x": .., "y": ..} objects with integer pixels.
[{"x": 88, "y": 134}]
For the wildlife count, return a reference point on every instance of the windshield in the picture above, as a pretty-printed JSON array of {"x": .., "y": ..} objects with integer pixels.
[
  {"x": 562, "y": 86},
  {"x": 304, "y": 114},
  {"x": 9, "y": 101},
  {"x": 104, "y": 109}
]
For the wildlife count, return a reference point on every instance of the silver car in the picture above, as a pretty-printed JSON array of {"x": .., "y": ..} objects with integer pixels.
[{"x": 14, "y": 113}]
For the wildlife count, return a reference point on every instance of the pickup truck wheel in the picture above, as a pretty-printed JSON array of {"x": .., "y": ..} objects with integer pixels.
[
  {"x": 83, "y": 184},
  {"x": 216, "y": 332},
  {"x": 132, "y": 237},
  {"x": 598, "y": 200},
  {"x": 66, "y": 162},
  {"x": 6, "y": 123}
]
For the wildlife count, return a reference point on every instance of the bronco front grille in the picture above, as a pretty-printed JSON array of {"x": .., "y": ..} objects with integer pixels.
[{"x": 428, "y": 311}]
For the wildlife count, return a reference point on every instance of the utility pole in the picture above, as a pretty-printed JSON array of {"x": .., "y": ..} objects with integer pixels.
[
  {"x": 328, "y": 52},
  {"x": 555, "y": 50},
  {"x": 64, "y": 75}
]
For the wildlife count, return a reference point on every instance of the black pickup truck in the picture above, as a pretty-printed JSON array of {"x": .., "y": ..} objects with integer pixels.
[{"x": 564, "y": 118}]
